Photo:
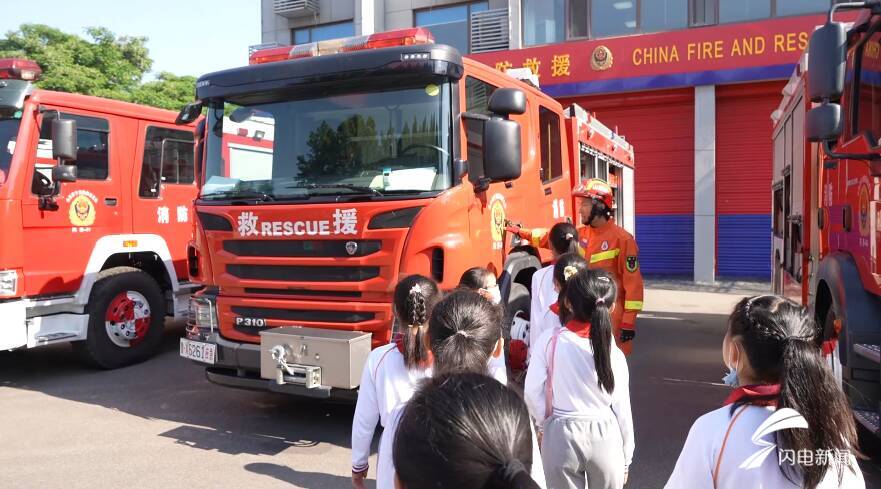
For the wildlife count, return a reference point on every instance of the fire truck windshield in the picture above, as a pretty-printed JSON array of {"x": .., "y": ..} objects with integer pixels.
[
  {"x": 381, "y": 143},
  {"x": 8, "y": 135}
]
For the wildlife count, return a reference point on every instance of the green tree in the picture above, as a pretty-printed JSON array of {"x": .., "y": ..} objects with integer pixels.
[
  {"x": 168, "y": 91},
  {"x": 105, "y": 65}
]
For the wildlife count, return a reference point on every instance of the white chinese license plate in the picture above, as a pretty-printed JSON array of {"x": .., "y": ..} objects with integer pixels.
[{"x": 196, "y": 350}]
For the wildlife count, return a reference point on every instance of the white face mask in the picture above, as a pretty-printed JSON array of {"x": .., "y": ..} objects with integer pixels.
[
  {"x": 494, "y": 294},
  {"x": 731, "y": 379}
]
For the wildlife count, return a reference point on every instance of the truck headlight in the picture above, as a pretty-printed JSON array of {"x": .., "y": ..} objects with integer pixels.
[
  {"x": 202, "y": 318},
  {"x": 9, "y": 283}
]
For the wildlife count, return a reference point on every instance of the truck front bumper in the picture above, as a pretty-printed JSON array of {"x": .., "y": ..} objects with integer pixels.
[
  {"x": 30, "y": 323},
  {"x": 237, "y": 365}
]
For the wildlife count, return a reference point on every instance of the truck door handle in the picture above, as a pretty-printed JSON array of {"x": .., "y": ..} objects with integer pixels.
[
  {"x": 110, "y": 201},
  {"x": 548, "y": 191}
]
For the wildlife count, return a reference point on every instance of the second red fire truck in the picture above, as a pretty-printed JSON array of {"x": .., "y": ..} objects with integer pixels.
[{"x": 392, "y": 155}]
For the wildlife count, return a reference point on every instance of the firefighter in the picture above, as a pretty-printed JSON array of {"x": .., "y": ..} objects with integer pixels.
[{"x": 607, "y": 246}]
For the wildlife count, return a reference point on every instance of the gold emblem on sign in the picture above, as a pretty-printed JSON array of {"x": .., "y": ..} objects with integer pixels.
[
  {"x": 601, "y": 59},
  {"x": 82, "y": 211},
  {"x": 497, "y": 214}
]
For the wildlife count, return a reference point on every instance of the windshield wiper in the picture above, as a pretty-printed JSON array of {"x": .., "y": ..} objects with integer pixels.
[
  {"x": 348, "y": 186},
  {"x": 240, "y": 194}
]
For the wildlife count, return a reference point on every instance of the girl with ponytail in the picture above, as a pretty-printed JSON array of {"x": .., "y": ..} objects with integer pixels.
[
  {"x": 577, "y": 389},
  {"x": 392, "y": 373},
  {"x": 563, "y": 269},
  {"x": 464, "y": 431},
  {"x": 563, "y": 240},
  {"x": 772, "y": 353}
]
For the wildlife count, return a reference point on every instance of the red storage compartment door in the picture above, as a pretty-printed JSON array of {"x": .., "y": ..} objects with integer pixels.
[
  {"x": 743, "y": 179},
  {"x": 660, "y": 125}
]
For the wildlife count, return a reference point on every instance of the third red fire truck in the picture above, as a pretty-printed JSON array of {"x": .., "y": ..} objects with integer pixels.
[{"x": 827, "y": 199}]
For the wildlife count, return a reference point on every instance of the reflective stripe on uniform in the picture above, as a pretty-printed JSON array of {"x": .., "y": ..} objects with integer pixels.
[
  {"x": 633, "y": 305},
  {"x": 605, "y": 255}
]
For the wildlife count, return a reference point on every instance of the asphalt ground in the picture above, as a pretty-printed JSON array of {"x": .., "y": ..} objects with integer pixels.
[{"x": 160, "y": 424}]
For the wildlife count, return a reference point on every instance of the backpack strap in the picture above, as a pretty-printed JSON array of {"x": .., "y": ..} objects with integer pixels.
[
  {"x": 724, "y": 443},
  {"x": 549, "y": 383}
]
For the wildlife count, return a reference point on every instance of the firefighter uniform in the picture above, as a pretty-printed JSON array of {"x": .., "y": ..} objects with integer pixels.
[{"x": 608, "y": 247}]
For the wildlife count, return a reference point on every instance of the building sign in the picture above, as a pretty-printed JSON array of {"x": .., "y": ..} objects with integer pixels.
[{"x": 727, "y": 53}]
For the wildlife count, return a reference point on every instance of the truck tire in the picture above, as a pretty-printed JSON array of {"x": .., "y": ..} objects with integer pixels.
[{"x": 126, "y": 318}]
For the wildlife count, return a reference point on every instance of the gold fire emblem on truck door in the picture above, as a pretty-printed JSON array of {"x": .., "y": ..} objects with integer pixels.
[
  {"x": 601, "y": 59},
  {"x": 82, "y": 211}
]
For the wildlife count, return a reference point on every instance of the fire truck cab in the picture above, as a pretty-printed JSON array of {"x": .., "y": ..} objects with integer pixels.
[
  {"x": 827, "y": 199},
  {"x": 391, "y": 156},
  {"x": 95, "y": 199}
]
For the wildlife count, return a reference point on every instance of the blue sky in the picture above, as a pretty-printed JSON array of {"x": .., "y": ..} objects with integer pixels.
[{"x": 186, "y": 37}]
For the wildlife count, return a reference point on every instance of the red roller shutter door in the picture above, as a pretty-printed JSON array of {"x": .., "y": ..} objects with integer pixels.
[
  {"x": 660, "y": 125},
  {"x": 743, "y": 178}
]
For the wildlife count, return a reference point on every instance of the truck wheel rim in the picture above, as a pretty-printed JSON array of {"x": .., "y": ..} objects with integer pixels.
[{"x": 127, "y": 319}]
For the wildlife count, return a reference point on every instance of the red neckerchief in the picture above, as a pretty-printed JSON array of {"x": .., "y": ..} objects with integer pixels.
[
  {"x": 581, "y": 328},
  {"x": 555, "y": 308},
  {"x": 755, "y": 395},
  {"x": 399, "y": 342}
]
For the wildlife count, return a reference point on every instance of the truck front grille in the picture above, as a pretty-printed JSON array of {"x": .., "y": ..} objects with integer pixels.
[
  {"x": 316, "y": 248},
  {"x": 293, "y": 273}
]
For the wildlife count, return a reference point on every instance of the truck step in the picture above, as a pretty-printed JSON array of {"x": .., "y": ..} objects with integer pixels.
[
  {"x": 869, "y": 419},
  {"x": 867, "y": 350},
  {"x": 45, "y": 338}
]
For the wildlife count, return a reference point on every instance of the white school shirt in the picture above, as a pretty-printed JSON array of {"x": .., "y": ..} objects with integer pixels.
[
  {"x": 385, "y": 475},
  {"x": 543, "y": 295},
  {"x": 576, "y": 389},
  {"x": 385, "y": 384},
  {"x": 545, "y": 322},
  {"x": 694, "y": 469}
]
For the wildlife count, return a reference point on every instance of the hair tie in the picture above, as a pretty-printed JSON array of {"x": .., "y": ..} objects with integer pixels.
[
  {"x": 416, "y": 289},
  {"x": 464, "y": 333},
  {"x": 569, "y": 236},
  {"x": 569, "y": 271},
  {"x": 511, "y": 470},
  {"x": 601, "y": 300}
]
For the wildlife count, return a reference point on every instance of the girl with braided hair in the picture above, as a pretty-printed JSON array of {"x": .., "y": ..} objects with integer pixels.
[
  {"x": 787, "y": 423},
  {"x": 577, "y": 389},
  {"x": 392, "y": 373}
]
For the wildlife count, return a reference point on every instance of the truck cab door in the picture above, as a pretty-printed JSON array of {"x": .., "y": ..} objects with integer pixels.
[
  {"x": 164, "y": 187},
  {"x": 60, "y": 242}
]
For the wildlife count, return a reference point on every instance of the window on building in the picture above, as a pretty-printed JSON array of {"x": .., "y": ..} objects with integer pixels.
[
  {"x": 543, "y": 21},
  {"x": 450, "y": 25},
  {"x": 800, "y": 7},
  {"x": 663, "y": 15},
  {"x": 612, "y": 17},
  {"x": 92, "y": 134},
  {"x": 577, "y": 18},
  {"x": 322, "y": 32},
  {"x": 743, "y": 10},
  {"x": 477, "y": 93},
  {"x": 168, "y": 159},
  {"x": 549, "y": 141}
]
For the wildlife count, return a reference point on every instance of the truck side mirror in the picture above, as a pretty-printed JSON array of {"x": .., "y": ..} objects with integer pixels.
[
  {"x": 64, "y": 173},
  {"x": 501, "y": 150},
  {"x": 64, "y": 143},
  {"x": 507, "y": 101},
  {"x": 189, "y": 113},
  {"x": 823, "y": 123},
  {"x": 827, "y": 56}
]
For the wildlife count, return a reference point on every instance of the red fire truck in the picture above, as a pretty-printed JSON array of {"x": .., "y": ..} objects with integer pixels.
[
  {"x": 95, "y": 201},
  {"x": 391, "y": 156},
  {"x": 826, "y": 194}
]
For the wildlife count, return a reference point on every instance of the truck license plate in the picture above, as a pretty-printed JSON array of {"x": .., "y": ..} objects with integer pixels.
[{"x": 198, "y": 351}]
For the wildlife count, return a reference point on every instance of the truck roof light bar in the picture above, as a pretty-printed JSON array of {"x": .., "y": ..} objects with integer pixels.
[
  {"x": 19, "y": 69},
  {"x": 403, "y": 37}
]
